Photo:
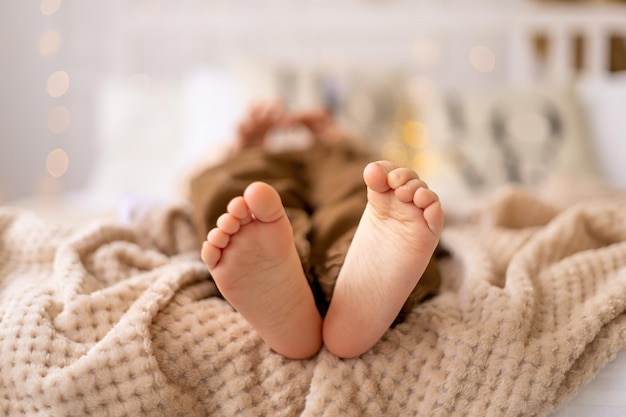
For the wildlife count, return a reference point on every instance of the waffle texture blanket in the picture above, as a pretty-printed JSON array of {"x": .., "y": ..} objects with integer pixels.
[{"x": 112, "y": 320}]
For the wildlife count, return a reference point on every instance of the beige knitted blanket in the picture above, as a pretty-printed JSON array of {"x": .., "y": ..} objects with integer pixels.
[{"x": 107, "y": 320}]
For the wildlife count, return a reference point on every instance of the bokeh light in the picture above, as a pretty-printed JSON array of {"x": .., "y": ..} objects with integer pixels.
[
  {"x": 57, "y": 163},
  {"x": 59, "y": 119},
  {"x": 426, "y": 163},
  {"x": 50, "y": 43},
  {"x": 58, "y": 84},
  {"x": 482, "y": 58},
  {"x": 415, "y": 134},
  {"x": 49, "y": 7}
]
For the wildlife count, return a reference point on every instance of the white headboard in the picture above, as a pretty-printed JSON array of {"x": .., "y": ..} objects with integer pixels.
[
  {"x": 595, "y": 24},
  {"x": 417, "y": 39},
  {"x": 374, "y": 34},
  {"x": 111, "y": 42}
]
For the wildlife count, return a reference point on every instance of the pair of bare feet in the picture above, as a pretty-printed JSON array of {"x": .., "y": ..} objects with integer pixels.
[{"x": 253, "y": 260}]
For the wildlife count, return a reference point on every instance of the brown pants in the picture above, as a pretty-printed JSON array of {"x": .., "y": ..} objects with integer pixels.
[{"x": 324, "y": 196}]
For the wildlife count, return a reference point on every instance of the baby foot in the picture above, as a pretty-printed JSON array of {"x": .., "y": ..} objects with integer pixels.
[
  {"x": 253, "y": 260},
  {"x": 392, "y": 246}
]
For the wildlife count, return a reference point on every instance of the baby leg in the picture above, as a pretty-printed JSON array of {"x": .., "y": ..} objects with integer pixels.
[
  {"x": 253, "y": 260},
  {"x": 392, "y": 247}
]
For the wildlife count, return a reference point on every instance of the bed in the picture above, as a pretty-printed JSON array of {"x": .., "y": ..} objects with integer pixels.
[
  {"x": 105, "y": 319},
  {"x": 111, "y": 314}
]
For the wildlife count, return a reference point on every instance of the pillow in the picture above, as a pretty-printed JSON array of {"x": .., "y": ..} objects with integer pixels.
[{"x": 482, "y": 138}]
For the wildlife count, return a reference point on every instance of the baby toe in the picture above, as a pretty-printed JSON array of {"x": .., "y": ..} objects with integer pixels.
[
  {"x": 375, "y": 175},
  {"x": 228, "y": 223},
  {"x": 210, "y": 255},
  {"x": 400, "y": 176},
  {"x": 423, "y": 197},
  {"x": 239, "y": 209},
  {"x": 218, "y": 238},
  {"x": 264, "y": 202},
  {"x": 406, "y": 192}
]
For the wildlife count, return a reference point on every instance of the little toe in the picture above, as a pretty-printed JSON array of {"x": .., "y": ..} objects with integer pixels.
[
  {"x": 375, "y": 175},
  {"x": 210, "y": 255},
  {"x": 433, "y": 214},
  {"x": 400, "y": 176},
  {"x": 429, "y": 202},
  {"x": 264, "y": 202}
]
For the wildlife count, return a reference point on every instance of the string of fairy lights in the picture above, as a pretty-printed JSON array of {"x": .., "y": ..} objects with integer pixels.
[
  {"x": 412, "y": 143},
  {"x": 57, "y": 86},
  {"x": 412, "y": 148}
]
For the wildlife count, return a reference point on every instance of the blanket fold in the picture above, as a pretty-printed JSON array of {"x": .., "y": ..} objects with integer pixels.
[{"x": 113, "y": 320}]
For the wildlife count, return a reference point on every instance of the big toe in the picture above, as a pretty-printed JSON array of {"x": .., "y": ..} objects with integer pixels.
[
  {"x": 375, "y": 175},
  {"x": 264, "y": 202}
]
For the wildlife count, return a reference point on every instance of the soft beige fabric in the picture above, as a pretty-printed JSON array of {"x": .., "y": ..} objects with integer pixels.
[{"x": 107, "y": 320}]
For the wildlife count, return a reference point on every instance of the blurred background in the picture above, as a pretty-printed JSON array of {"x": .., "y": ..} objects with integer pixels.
[{"x": 100, "y": 99}]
